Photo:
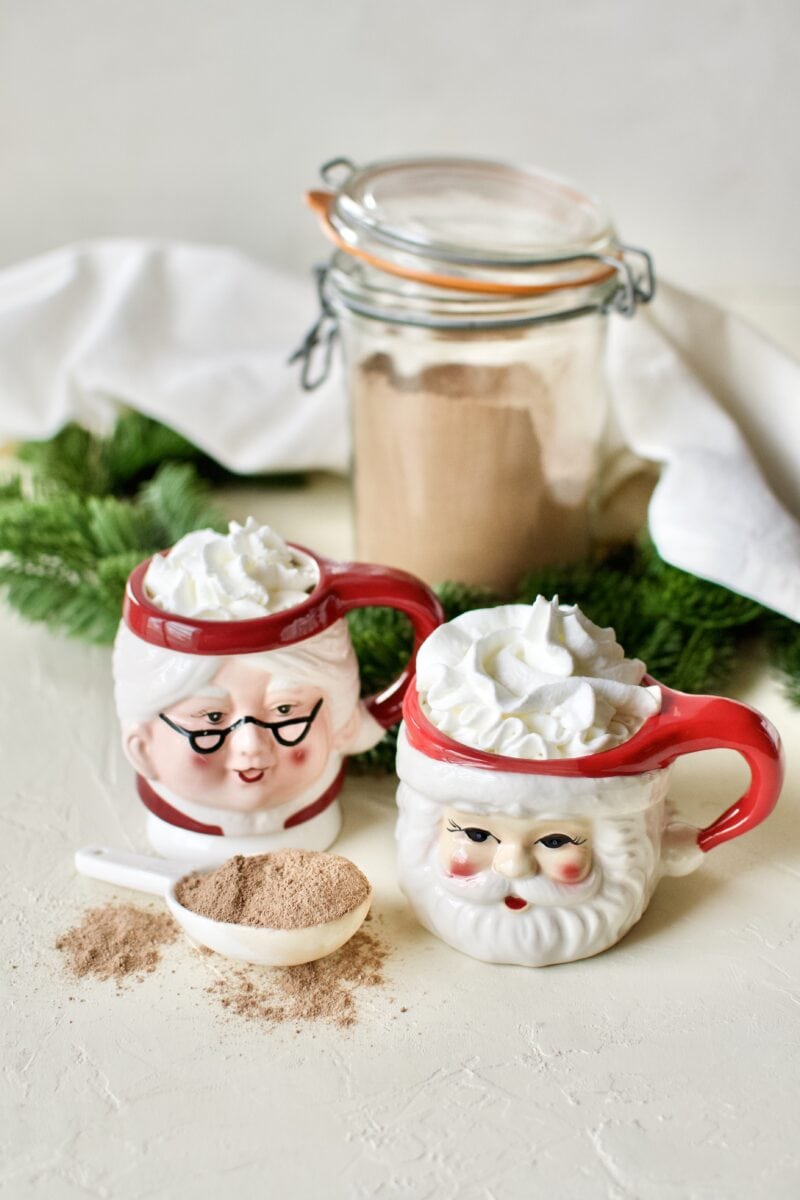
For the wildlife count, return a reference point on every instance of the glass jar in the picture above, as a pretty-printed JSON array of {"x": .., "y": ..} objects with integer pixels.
[{"x": 471, "y": 299}]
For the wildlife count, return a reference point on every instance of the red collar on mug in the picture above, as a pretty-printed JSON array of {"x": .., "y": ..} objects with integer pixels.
[{"x": 160, "y": 808}]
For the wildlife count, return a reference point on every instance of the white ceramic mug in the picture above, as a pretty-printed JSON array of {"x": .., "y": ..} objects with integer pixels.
[
  {"x": 238, "y": 730},
  {"x": 537, "y": 862}
]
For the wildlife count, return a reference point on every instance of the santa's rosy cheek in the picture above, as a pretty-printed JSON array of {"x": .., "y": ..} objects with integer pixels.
[
  {"x": 462, "y": 867},
  {"x": 299, "y": 755},
  {"x": 570, "y": 872}
]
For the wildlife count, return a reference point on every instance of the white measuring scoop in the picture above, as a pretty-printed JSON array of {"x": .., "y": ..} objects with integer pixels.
[{"x": 247, "y": 943}]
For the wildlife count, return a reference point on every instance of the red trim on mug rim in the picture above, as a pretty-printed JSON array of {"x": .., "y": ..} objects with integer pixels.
[
  {"x": 192, "y": 635},
  {"x": 635, "y": 756}
]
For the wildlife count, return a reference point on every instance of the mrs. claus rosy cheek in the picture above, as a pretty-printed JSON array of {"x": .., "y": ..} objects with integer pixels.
[{"x": 299, "y": 755}]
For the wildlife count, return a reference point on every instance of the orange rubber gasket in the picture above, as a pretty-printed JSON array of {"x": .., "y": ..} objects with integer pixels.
[{"x": 321, "y": 202}]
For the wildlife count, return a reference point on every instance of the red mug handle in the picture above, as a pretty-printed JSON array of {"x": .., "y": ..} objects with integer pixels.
[
  {"x": 689, "y": 723},
  {"x": 367, "y": 585}
]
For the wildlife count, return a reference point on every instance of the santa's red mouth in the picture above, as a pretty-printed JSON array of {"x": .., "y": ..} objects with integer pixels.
[
  {"x": 251, "y": 776},
  {"x": 515, "y": 902}
]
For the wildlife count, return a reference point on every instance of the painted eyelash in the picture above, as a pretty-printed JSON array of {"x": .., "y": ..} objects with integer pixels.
[
  {"x": 571, "y": 840},
  {"x": 453, "y": 828}
]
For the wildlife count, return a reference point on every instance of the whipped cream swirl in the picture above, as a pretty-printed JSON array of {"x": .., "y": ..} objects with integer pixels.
[
  {"x": 247, "y": 572},
  {"x": 538, "y": 681}
]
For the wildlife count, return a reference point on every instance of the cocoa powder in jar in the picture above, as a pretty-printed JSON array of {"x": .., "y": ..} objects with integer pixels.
[{"x": 474, "y": 472}]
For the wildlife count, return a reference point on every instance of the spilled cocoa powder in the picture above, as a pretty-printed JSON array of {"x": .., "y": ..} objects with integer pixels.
[
  {"x": 288, "y": 889},
  {"x": 325, "y": 990},
  {"x": 124, "y": 942},
  {"x": 117, "y": 941}
]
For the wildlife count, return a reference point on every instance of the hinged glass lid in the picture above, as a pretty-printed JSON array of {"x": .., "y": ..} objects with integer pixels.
[
  {"x": 462, "y": 244},
  {"x": 467, "y": 224},
  {"x": 471, "y": 211}
]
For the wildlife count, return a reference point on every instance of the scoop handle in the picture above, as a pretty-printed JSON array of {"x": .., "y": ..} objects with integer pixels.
[{"x": 139, "y": 872}]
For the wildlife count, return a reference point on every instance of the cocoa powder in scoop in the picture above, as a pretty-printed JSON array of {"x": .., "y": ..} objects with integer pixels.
[{"x": 288, "y": 889}]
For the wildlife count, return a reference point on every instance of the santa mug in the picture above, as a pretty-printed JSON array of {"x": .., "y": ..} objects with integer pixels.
[
  {"x": 536, "y": 862},
  {"x": 238, "y": 729}
]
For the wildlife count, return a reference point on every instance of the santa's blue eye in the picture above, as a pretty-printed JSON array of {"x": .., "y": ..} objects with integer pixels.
[
  {"x": 477, "y": 835},
  {"x": 556, "y": 840}
]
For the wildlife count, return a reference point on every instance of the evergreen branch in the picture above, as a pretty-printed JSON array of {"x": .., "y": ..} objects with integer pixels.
[
  {"x": 693, "y": 601},
  {"x": 380, "y": 759},
  {"x": 139, "y": 445},
  {"x": 33, "y": 529},
  {"x": 179, "y": 502},
  {"x": 73, "y": 460},
  {"x": 11, "y": 489},
  {"x": 64, "y": 560},
  {"x": 118, "y": 526},
  {"x": 78, "y": 461},
  {"x": 66, "y": 603},
  {"x": 782, "y": 637}
]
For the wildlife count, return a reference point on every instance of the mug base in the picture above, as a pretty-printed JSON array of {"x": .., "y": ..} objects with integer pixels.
[{"x": 211, "y": 850}]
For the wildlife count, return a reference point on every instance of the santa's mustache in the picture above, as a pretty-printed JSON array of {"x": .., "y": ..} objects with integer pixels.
[{"x": 490, "y": 887}]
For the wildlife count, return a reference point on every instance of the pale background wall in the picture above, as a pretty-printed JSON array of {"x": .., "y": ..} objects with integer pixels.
[{"x": 206, "y": 119}]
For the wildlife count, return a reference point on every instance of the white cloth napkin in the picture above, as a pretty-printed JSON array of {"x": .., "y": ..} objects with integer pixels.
[
  {"x": 199, "y": 338},
  {"x": 195, "y": 336},
  {"x": 702, "y": 393}
]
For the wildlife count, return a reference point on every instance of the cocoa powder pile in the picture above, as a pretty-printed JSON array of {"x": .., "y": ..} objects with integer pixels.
[
  {"x": 288, "y": 889},
  {"x": 124, "y": 942},
  {"x": 117, "y": 941},
  {"x": 325, "y": 990}
]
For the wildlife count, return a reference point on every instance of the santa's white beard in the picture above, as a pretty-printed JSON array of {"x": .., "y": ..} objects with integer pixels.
[{"x": 562, "y": 922}]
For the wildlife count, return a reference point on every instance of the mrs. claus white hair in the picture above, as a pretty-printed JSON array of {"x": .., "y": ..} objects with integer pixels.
[{"x": 149, "y": 679}]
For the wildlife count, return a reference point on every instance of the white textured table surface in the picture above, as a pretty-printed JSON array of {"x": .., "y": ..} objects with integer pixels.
[{"x": 665, "y": 1068}]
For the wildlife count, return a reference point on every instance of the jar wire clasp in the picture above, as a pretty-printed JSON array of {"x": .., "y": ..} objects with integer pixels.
[
  {"x": 315, "y": 351},
  {"x": 637, "y": 279}
]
